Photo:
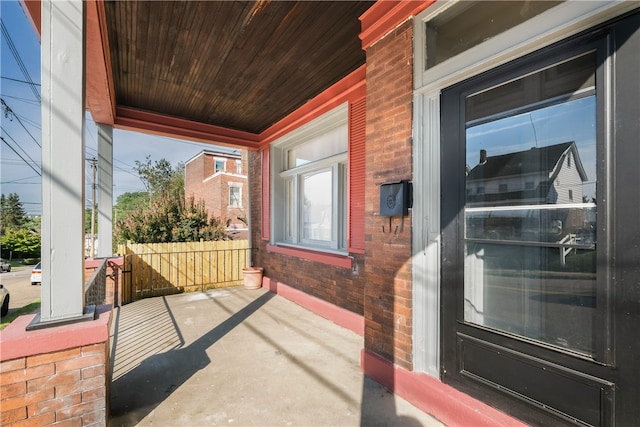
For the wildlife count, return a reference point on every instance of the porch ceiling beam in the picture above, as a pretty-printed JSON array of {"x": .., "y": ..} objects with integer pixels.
[
  {"x": 100, "y": 97},
  {"x": 33, "y": 10},
  {"x": 173, "y": 127}
]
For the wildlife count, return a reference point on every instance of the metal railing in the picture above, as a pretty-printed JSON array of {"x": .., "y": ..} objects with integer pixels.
[{"x": 95, "y": 290}]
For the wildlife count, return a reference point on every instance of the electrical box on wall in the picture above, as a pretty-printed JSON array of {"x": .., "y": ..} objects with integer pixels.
[{"x": 395, "y": 198}]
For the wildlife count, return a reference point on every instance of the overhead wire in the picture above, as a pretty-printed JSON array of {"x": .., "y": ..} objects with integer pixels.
[
  {"x": 18, "y": 154},
  {"x": 18, "y": 59},
  {"x": 8, "y": 110},
  {"x": 18, "y": 145}
]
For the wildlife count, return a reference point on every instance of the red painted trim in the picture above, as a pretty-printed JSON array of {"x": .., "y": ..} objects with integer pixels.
[
  {"x": 95, "y": 262},
  {"x": 100, "y": 96},
  {"x": 33, "y": 10},
  {"x": 349, "y": 88},
  {"x": 384, "y": 16},
  {"x": 266, "y": 198},
  {"x": 157, "y": 124},
  {"x": 450, "y": 406},
  {"x": 16, "y": 342},
  {"x": 323, "y": 257},
  {"x": 338, "y": 315}
]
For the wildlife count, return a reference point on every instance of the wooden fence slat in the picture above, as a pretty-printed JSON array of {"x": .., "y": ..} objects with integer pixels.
[{"x": 161, "y": 268}]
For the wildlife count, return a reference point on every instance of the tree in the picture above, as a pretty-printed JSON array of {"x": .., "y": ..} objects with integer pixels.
[
  {"x": 161, "y": 215},
  {"x": 22, "y": 242},
  {"x": 127, "y": 202},
  {"x": 160, "y": 178},
  {"x": 169, "y": 219},
  {"x": 12, "y": 214}
]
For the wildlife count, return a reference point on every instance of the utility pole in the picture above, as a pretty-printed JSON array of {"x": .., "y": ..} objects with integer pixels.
[{"x": 94, "y": 168}]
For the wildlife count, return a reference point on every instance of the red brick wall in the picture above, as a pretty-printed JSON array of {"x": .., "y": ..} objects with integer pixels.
[
  {"x": 387, "y": 293},
  {"x": 69, "y": 387},
  {"x": 339, "y": 286},
  {"x": 215, "y": 191}
]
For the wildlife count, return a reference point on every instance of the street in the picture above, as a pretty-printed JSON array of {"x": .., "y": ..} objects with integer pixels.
[{"x": 20, "y": 289}]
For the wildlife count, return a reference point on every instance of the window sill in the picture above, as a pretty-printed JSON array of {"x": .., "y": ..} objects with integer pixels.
[{"x": 336, "y": 260}]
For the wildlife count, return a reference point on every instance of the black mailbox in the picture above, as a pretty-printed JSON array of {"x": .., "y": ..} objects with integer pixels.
[{"x": 395, "y": 198}]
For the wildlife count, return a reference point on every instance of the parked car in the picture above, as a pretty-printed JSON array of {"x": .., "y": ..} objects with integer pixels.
[
  {"x": 4, "y": 265},
  {"x": 4, "y": 296},
  {"x": 36, "y": 274}
]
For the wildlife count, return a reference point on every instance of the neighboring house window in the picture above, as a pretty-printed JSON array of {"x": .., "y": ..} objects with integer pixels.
[
  {"x": 310, "y": 188},
  {"x": 503, "y": 188},
  {"x": 569, "y": 160},
  {"x": 235, "y": 195},
  {"x": 239, "y": 167},
  {"x": 570, "y": 194},
  {"x": 480, "y": 190},
  {"x": 219, "y": 165}
]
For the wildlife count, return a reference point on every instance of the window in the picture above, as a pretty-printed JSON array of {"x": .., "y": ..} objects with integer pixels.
[
  {"x": 503, "y": 188},
  {"x": 235, "y": 195},
  {"x": 310, "y": 187},
  {"x": 219, "y": 165},
  {"x": 534, "y": 237},
  {"x": 239, "y": 167},
  {"x": 528, "y": 185},
  {"x": 470, "y": 23}
]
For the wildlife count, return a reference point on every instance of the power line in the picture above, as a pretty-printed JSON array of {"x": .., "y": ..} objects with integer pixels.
[
  {"x": 15, "y": 181},
  {"x": 20, "y": 81},
  {"x": 18, "y": 145},
  {"x": 18, "y": 154},
  {"x": 18, "y": 98},
  {"x": 16, "y": 55},
  {"x": 8, "y": 110}
]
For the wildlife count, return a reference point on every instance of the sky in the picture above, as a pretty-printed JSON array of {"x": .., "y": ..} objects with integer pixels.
[{"x": 20, "y": 155}]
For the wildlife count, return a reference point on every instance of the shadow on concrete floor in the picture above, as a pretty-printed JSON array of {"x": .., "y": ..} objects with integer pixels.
[{"x": 246, "y": 358}]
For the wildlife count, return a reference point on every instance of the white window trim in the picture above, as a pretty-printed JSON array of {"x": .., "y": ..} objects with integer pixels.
[
  {"x": 280, "y": 177},
  {"x": 224, "y": 165},
  {"x": 556, "y": 24},
  {"x": 235, "y": 185}
]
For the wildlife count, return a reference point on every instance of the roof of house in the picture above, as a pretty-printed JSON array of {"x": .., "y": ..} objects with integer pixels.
[{"x": 536, "y": 160}]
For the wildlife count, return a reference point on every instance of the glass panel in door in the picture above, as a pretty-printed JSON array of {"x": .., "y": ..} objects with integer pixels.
[{"x": 530, "y": 207}]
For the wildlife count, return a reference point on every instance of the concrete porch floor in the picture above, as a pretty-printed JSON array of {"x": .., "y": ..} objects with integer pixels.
[{"x": 239, "y": 357}]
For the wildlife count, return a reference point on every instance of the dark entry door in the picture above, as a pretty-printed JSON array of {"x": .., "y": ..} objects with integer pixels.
[{"x": 540, "y": 285}]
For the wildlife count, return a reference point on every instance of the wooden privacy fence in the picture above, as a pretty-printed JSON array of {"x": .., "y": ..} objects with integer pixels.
[{"x": 152, "y": 269}]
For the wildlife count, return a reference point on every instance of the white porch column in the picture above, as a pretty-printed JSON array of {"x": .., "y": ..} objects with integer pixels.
[
  {"x": 63, "y": 165},
  {"x": 105, "y": 190}
]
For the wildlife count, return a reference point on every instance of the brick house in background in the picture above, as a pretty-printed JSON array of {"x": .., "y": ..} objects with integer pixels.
[{"x": 219, "y": 178}]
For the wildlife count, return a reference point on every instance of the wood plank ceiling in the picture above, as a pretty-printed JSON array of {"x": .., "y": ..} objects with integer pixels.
[{"x": 241, "y": 65}]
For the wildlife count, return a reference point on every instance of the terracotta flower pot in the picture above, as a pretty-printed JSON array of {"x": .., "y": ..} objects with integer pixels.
[{"x": 252, "y": 277}]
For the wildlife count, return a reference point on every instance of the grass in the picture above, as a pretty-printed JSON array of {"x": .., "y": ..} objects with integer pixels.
[{"x": 27, "y": 309}]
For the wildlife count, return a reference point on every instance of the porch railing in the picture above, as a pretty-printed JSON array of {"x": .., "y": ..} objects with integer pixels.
[{"x": 96, "y": 288}]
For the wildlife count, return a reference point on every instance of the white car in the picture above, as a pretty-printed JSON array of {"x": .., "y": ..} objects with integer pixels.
[
  {"x": 4, "y": 266},
  {"x": 36, "y": 274},
  {"x": 4, "y": 297}
]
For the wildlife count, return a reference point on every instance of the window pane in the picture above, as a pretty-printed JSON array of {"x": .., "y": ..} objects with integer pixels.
[
  {"x": 235, "y": 197},
  {"x": 318, "y": 207},
  {"x": 320, "y": 147},
  {"x": 470, "y": 23},
  {"x": 530, "y": 212}
]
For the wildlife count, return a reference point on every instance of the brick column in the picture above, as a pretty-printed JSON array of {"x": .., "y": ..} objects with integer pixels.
[
  {"x": 55, "y": 375},
  {"x": 387, "y": 299}
]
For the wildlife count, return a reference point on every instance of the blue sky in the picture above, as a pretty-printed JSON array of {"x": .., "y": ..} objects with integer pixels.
[{"x": 22, "y": 129}]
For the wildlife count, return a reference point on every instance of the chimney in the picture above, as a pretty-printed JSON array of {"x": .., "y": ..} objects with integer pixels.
[{"x": 483, "y": 157}]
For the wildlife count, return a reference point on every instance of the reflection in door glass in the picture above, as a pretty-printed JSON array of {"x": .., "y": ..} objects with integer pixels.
[{"x": 530, "y": 211}]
